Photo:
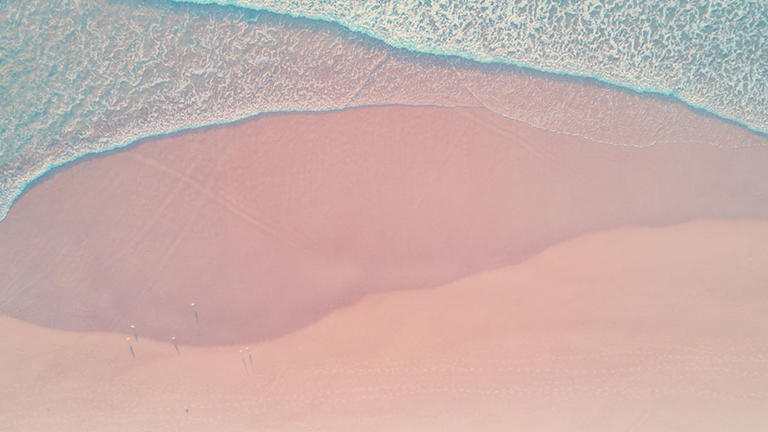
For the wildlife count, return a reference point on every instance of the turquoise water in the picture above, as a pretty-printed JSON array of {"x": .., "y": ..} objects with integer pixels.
[
  {"x": 710, "y": 54},
  {"x": 85, "y": 76}
]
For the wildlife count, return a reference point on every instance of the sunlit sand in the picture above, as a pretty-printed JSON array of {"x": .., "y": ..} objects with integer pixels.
[
  {"x": 269, "y": 224},
  {"x": 632, "y": 329}
]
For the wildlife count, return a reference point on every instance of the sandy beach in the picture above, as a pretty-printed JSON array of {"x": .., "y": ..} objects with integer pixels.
[
  {"x": 269, "y": 224},
  {"x": 632, "y": 329},
  {"x": 285, "y": 216}
]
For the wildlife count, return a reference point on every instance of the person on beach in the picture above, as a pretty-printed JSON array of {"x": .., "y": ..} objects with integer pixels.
[
  {"x": 242, "y": 359},
  {"x": 130, "y": 346}
]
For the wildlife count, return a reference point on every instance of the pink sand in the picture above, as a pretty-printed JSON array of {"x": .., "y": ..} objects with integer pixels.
[
  {"x": 635, "y": 329},
  {"x": 270, "y": 224}
]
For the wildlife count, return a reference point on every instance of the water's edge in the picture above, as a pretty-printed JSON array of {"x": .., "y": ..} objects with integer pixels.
[
  {"x": 492, "y": 61},
  {"x": 441, "y": 58}
]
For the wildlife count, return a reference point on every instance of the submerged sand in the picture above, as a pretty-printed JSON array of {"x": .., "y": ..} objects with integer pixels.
[
  {"x": 269, "y": 224},
  {"x": 641, "y": 329}
]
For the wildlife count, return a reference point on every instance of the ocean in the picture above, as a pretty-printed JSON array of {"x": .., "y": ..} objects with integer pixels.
[{"x": 85, "y": 76}]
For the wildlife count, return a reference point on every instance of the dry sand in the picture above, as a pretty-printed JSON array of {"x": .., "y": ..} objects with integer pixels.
[
  {"x": 269, "y": 224},
  {"x": 638, "y": 329}
]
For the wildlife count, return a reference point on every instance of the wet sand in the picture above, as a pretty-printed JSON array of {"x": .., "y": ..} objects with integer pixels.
[
  {"x": 271, "y": 223},
  {"x": 634, "y": 329}
]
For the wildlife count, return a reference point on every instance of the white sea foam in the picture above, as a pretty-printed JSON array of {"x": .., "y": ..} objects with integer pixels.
[
  {"x": 711, "y": 54},
  {"x": 86, "y": 76}
]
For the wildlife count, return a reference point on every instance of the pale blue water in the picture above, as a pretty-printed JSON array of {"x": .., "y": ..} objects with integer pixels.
[
  {"x": 83, "y": 76},
  {"x": 710, "y": 54}
]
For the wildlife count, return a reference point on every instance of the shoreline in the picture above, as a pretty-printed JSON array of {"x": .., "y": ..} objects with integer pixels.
[
  {"x": 423, "y": 62},
  {"x": 54, "y": 169},
  {"x": 460, "y": 57},
  {"x": 271, "y": 201}
]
